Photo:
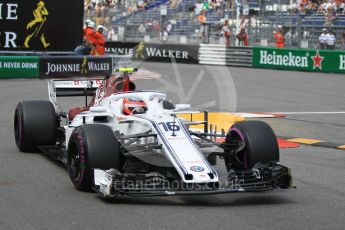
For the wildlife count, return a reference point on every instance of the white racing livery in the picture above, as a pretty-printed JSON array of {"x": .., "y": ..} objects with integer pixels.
[{"x": 134, "y": 143}]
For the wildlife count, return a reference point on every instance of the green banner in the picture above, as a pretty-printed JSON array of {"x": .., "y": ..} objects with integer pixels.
[
  {"x": 299, "y": 59},
  {"x": 19, "y": 67}
]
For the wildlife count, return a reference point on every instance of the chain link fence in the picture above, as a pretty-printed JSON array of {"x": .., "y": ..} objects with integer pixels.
[{"x": 126, "y": 21}]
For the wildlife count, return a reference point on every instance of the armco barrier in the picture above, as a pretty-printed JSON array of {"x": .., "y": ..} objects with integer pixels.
[
  {"x": 19, "y": 67},
  {"x": 299, "y": 59},
  {"x": 211, "y": 54},
  {"x": 257, "y": 57}
]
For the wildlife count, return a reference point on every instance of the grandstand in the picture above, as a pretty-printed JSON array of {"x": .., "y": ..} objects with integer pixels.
[{"x": 302, "y": 24}]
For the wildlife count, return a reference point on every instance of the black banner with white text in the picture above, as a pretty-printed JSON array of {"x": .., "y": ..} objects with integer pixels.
[
  {"x": 154, "y": 52},
  {"x": 52, "y": 67}
]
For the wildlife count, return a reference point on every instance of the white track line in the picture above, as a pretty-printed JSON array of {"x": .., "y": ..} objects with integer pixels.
[{"x": 307, "y": 113}]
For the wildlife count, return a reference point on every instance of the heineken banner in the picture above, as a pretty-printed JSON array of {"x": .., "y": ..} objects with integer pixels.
[
  {"x": 299, "y": 59},
  {"x": 75, "y": 66},
  {"x": 19, "y": 67},
  {"x": 41, "y": 25},
  {"x": 154, "y": 52}
]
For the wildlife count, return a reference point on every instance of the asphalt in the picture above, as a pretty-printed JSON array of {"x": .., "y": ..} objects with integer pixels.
[{"x": 36, "y": 193}]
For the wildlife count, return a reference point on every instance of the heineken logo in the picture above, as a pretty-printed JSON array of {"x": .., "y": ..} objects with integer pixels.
[
  {"x": 283, "y": 59},
  {"x": 342, "y": 62},
  {"x": 290, "y": 59},
  {"x": 329, "y": 61},
  {"x": 317, "y": 59}
]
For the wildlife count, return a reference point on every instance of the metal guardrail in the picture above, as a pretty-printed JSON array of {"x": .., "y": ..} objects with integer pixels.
[
  {"x": 34, "y": 53},
  {"x": 212, "y": 54}
]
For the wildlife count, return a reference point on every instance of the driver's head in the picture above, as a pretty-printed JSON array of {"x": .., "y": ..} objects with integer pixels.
[{"x": 133, "y": 106}]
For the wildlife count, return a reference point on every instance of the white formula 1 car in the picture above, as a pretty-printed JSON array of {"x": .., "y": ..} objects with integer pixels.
[{"x": 133, "y": 143}]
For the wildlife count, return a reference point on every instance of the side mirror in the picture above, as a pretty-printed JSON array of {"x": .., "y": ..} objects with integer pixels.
[
  {"x": 181, "y": 107},
  {"x": 98, "y": 109}
]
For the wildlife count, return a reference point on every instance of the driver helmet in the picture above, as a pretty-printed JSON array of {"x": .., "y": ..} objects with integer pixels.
[{"x": 133, "y": 106}]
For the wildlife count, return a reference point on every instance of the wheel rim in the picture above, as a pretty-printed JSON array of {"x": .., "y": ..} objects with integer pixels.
[
  {"x": 76, "y": 165},
  {"x": 18, "y": 129},
  {"x": 237, "y": 135}
]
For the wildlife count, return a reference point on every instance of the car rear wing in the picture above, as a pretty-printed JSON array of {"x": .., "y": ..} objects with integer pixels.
[{"x": 72, "y": 88}]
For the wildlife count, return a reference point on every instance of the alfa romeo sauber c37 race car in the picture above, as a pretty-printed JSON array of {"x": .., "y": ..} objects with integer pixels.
[{"x": 130, "y": 142}]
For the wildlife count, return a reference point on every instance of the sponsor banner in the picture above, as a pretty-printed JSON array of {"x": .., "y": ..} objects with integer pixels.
[
  {"x": 154, "y": 52},
  {"x": 74, "y": 66},
  {"x": 299, "y": 59},
  {"x": 40, "y": 25},
  {"x": 19, "y": 67},
  {"x": 79, "y": 84}
]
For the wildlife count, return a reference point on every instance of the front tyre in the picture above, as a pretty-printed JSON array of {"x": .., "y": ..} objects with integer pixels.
[
  {"x": 260, "y": 143},
  {"x": 91, "y": 146}
]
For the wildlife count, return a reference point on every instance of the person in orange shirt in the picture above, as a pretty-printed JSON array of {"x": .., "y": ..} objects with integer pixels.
[
  {"x": 202, "y": 21},
  {"x": 89, "y": 32},
  {"x": 86, "y": 26},
  {"x": 100, "y": 41},
  {"x": 90, "y": 35},
  {"x": 279, "y": 37}
]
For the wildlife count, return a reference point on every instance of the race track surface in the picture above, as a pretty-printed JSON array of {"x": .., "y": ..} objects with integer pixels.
[{"x": 36, "y": 193}]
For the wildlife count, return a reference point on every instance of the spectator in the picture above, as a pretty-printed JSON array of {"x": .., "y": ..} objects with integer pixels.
[
  {"x": 202, "y": 21},
  {"x": 141, "y": 29},
  {"x": 141, "y": 4},
  {"x": 293, "y": 8},
  {"x": 197, "y": 8},
  {"x": 156, "y": 27},
  {"x": 174, "y": 3},
  {"x": 330, "y": 16},
  {"x": 84, "y": 49},
  {"x": 227, "y": 33},
  {"x": 205, "y": 5},
  {"x": 167, "y": 30},
  {"x": 330, "y": 40},
  {"x": 242, "y": 37},
  {"x": 323, "y": 38},
  {"x": 325, "y": 6},
  {"x": 110, "y": 33},
  {"x": 279, "y": 37},
  {"x": 342, "y": 37}
]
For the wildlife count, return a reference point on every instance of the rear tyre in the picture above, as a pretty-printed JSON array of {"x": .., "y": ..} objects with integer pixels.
[
  {"x": 35, "y": 124},
  {"x": 260, "y": 143},
  {"x": 92, "y": 146}
]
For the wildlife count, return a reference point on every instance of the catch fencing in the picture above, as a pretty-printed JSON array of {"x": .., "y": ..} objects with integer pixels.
[{"x": 259, "y": 18}]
